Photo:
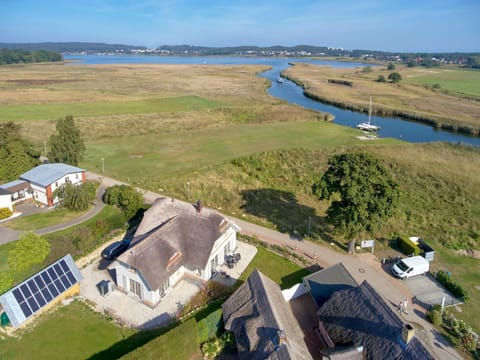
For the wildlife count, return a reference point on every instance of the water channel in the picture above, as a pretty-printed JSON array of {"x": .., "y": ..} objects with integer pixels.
[{"x": 289, "y": 91}]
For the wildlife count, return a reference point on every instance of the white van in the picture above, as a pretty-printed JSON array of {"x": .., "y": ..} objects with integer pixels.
[{"x": 411, "y": 266}]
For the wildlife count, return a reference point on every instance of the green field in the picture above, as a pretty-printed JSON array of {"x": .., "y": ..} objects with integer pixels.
[
  {"x": 463, "y": 82},
  {"x": 42, "y": 220},
  {"x": 87, "y": 109},
  {"x": 145, "y": 159}
]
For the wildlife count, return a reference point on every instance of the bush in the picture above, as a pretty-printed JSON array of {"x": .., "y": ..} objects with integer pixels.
[
  {"x": 381, "y": 78},
  {"x": 126, "y": 197},
  {"x": 5, "y": 213},
  {"x": 434, "y": 315},
  {"x": 214, "y": 347},
  {"x": 446, "y": 280},
  {"x": 407, "y": 246}
]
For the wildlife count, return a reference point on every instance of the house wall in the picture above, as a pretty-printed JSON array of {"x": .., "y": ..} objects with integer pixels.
[
  {"x": 225, "y": 245},
  {"x": 17, "y": 196},
  {"x": 6, "y": 201},
  {"x": 44, "y": 194}
]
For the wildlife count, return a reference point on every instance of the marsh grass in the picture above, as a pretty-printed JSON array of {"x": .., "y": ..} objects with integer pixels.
[{"x": 404, "y": 99}]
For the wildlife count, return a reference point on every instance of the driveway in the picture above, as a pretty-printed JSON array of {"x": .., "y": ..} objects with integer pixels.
[{"x": 428, "y": 291}]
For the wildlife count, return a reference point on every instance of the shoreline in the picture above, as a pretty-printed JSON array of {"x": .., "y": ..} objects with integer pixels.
[{"x": 379, "y": 111}]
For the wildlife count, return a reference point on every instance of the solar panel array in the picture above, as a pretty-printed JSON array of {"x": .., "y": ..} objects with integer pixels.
[{"x": 42, "y": 288}]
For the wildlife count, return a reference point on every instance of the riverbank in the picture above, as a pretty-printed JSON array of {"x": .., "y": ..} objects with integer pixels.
[{"x": 407, "y": 101}]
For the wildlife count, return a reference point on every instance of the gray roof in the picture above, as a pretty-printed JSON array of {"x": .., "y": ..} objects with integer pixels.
[
  {"x": 257, "y": 313},
  {"x": 47, "y": 174},
  {"x": 323, "y": 283},
  {"x": 172, "y": 234},
  {"x": 15, "y": 185},
  {"x": 4, "y": 192},
  {"x": 360, "y": 316}
]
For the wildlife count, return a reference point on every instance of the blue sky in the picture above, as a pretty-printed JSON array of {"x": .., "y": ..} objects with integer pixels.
[{"x": 389, "y": 25}]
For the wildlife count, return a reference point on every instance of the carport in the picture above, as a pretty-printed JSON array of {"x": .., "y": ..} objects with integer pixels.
[{"x": 427, "y": 291}]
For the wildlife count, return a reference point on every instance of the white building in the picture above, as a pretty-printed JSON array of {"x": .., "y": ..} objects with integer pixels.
[
  {"x": 174, "y": 240},
  {"x": 46, "y": 178},
  {"x": 5, "y": 199}
]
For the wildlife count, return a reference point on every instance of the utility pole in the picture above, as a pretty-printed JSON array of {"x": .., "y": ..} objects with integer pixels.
[
  {"x": 103, "y": 165},
  {"x": 45, "y": 147},
  {"x": 188, "y": 190}
]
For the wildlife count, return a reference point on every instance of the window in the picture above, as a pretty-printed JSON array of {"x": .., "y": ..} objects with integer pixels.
[
  {"x": 67, "y": 180},
  {"x": 76, "y": 176},
  {"x": 163, "y": 288},
  {"x": 136, "y": 288},
  {"x": 214, "y": 263},
  {"x": 56, "y": 184}
]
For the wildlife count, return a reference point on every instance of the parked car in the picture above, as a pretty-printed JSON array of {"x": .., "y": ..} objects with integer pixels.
[
  {"x": 113, "y": 250},
  {"x": 409, "y": 267}
]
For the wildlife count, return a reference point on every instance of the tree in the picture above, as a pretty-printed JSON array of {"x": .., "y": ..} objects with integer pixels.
[
  {"x": 125, "y": 197},
  {"x": 381, "y": 78},
  {"x": 16, "y": 154},
  {"x": 363, "y": 193},
  {"x": 395, "y": 77},
  {"x": 67, "y": 145},
  {"x": 367, "y": 69},
  {"x": 29, "y": 250},
  {"x": 390, "y": 67},
  {"x": 76, "y": 197}
]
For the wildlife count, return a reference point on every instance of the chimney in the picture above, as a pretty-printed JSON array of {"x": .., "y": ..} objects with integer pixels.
[{"x": 407, "y": 333}]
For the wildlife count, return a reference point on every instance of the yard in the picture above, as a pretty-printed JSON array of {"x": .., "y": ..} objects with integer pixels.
[{"x": 77, "y": 332}]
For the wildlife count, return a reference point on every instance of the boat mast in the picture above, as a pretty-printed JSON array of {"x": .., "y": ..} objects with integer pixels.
[{"x": 370, "y": 110}]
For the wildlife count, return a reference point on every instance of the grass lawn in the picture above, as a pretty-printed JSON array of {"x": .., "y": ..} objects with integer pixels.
[
  {"x": 70, "y": 332},
  {"x": 4, "y": 250},
  {"x": 42, "y": 220},
  {"x": 282, "y": 271},
  {"x": 20, "y": 113},
  {"x": 143, "y": 159},
  {"x": 179, "y": 343},
  {"x": 461, "y": 81}
]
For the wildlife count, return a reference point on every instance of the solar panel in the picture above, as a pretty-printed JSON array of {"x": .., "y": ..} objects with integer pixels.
[
  {"x": 25, "y": 291},
  {"x": 18, "y": 295},
  {"x": 39, "y": 281},
  {"x": 39, "y": 290},
  {"x": 46, "y": 294},
  {"x": 64, "y": 265}
]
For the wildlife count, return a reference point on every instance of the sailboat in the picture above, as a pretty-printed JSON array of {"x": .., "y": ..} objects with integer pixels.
[{"x": 368, "y": 126}]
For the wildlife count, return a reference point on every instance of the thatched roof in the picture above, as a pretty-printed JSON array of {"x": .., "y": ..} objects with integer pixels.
[
  {"x": 323, "y": 283},
  {"x": 172, "y": 234},
  {"x": 260, "y": 318},
  {"x": 359, "y": 316}
]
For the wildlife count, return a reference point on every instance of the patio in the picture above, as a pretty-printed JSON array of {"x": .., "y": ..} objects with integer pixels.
[{"x": 128, "y": 309}]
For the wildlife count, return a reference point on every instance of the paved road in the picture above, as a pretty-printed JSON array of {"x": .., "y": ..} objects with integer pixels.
[{"x": 8, "y": 235}]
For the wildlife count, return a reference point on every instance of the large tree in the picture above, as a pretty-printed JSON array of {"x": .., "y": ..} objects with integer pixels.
[
  {"x": 76, "y": 197},
  {"x": 16, "y": 154},
  {"x": 66, "y": 145},
  {"x": 362, "y": 192},
  {"x": 126, "y": 197}
]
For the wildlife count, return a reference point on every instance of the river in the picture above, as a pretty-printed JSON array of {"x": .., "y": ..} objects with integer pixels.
[{"x": 289, "y": 91}]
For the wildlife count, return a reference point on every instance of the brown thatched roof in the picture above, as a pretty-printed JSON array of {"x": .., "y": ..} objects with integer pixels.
[
  {"x": 172, "y": 234},
  {"x": 359, "y": 316},
  {"x": 260, "y": 318}
]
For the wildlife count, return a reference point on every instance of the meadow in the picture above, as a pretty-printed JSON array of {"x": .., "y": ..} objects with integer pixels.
[{"x": 413, "y": 97}]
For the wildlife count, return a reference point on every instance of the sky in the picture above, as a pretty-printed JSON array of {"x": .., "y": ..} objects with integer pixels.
[{"x": 387, "y": 25}]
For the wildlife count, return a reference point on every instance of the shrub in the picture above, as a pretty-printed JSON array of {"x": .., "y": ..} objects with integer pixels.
[
  {"x": 434, "y": 315},
  {"x": 381, "y": 78},
  {"x": 5, "y": 213},
  {"x": 214, "y": 347},
  {"x": 446, "y": 280},
  {"x": 407, "y": 246},
  {"x": 125, "y": 197}
]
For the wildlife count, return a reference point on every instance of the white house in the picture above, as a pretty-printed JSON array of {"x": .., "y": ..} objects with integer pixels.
[
  {"x": 174, "y": 240},
  {"x": 19, "y": 190},
  {"x": 5, "y": 199},
  {"x": 46, "y": 178}
]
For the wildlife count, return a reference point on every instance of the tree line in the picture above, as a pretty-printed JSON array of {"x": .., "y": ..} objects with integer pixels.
[{"x": 18, "y": 56}]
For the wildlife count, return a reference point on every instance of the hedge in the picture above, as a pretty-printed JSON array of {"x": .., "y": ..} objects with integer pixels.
[
  {"x": 446, "y": 280},
  {"x": 407, "y": 246},
  {"x": 5, "y": 213}
]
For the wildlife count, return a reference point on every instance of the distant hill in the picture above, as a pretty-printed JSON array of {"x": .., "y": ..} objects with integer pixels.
[{"x": 66, "y": 47}]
